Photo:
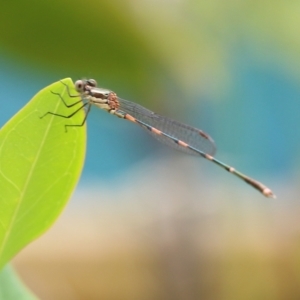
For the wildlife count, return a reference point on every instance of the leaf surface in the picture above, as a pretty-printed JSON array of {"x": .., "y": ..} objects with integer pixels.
[{"x": 40, "y": 165}]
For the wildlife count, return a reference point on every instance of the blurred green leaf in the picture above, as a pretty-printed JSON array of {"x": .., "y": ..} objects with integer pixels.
[
  {"x": 11, "y": 288},
  {"x": 107, "y": 42},
  {"x": 136, "y": 41},
  {"x": 40, "y": 165}
]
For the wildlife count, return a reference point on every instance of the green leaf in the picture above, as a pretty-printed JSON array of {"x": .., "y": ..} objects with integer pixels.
[
  {"x": 11, "y": 288},
  {"x": 40, "y": 164}
]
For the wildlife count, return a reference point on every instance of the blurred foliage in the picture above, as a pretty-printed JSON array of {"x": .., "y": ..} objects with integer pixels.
[
  {"x": 93, "y": 37},
  {"x": 134, "y": 43}
]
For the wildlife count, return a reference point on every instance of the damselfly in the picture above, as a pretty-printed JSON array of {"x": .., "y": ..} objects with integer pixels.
[{"x": 172, "y": 133}]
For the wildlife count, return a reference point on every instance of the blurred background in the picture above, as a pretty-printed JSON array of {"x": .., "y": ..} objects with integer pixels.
[{"x": 145, "y": 221}]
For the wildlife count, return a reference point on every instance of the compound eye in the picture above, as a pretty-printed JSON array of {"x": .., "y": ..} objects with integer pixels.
[
  {"x": 92, "y": 82},
  {"x": 79, "y": 86}
]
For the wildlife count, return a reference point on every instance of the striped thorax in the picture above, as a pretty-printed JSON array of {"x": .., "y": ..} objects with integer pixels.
[{"x": 102, "y": 98}]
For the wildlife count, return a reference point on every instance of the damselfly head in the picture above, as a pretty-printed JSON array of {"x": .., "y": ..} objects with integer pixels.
[{"x": 85, "y": 85}]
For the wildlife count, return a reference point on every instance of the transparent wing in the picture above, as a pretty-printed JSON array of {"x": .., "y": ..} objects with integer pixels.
[{"x": 192, "y": 136}]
